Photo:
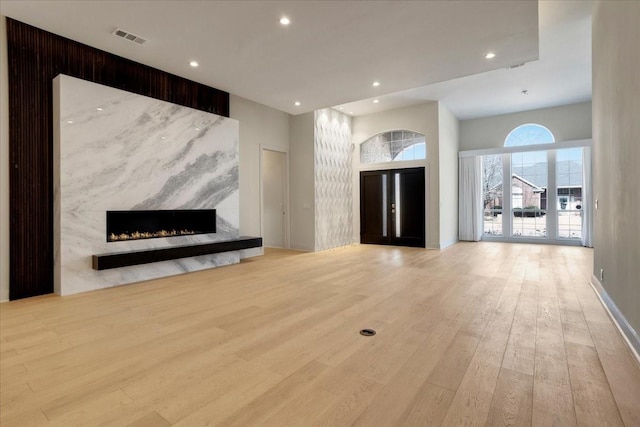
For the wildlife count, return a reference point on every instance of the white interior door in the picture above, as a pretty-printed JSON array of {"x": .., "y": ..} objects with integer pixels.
[{"x": 274, "y": 173}]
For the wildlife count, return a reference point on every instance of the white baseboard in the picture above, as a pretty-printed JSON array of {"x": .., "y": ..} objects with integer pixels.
[
  {"x": 251, "y": 252},
  {"x": 536, "y": 240},
  {"x": 4, "y": 300},
  {"x": 295, "y": 248},
  {"x": 628, "y": 333},
  {"x": 449, "y": 243}
]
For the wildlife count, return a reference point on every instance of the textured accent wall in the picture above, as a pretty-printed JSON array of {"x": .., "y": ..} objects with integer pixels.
[
  {"x": 115, "y": 150},
  {"x": 333, "y": 179}
]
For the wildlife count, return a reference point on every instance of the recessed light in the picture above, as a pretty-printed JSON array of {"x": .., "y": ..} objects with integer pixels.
[
  {"x": 162, "y": 137},
  {"x": 297, "y": 103},
  {"x": 285, "y": 21},
  {"x": 350, "y": 112},
  {"x": 490, "y": 55},
  {"x": 197, "y": 128},
  {"x": 70, "y": 122},
  {"x": 98, "y": 109},
  {"x": 376, "y": 84},
  {"x": 375, "y": 101},
  {"x": 340, "y": 108},
  {"x": 194, "y": 64}
]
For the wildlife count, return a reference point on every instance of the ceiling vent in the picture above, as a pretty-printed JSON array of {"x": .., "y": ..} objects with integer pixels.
[
  {"x": 129, "y": 36},
  {"x": 510, "y": 67}
]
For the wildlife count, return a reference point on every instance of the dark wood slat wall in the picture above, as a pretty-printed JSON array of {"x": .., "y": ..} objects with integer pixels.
[{"x": 35, "y": 58}]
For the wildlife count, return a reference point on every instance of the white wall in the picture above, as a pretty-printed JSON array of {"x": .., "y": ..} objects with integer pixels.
[
  {"x": 449, "y": 144},
  {"x": 421, "y": 118},
  {"x": 333, "y": 179},
  {"x": 302, "y": 189},
  {"x": 4, "y": 164},
  {"x": 616, "y": 132},
  {"x": 259, "y": 126},
  {"x": 567, "y": 122}
]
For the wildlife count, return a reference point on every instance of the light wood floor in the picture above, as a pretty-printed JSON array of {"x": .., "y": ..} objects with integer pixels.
[{"x": 476, "y": 334}]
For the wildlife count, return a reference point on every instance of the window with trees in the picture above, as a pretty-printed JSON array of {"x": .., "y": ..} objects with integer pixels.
[
  {"x": 526, "y": 198},
  {"x": 492, "y": 194}
]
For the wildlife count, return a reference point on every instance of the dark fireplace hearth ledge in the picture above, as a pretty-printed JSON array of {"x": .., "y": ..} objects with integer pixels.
[{"x": 145, "y": 256}]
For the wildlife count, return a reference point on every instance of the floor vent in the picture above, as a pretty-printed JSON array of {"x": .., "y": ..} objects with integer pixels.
[{"x": 118, "y": 32}]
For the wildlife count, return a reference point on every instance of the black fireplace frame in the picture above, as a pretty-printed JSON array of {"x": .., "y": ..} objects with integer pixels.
[{"x": 198, "y": 221}]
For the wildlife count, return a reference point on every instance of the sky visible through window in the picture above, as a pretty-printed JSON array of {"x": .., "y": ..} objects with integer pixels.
[
  {"x": 569, "y": 167},
  {"x": 397, "y": 145},
  {"x": 531, "y": 166},
  {"x": 416, "y": 151},
  {"x": 529, "y": 134},
  {"x": 530, "y": 198}
]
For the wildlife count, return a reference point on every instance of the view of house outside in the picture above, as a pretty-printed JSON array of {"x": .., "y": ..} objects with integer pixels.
[
  {"x": 569, "y": 195},
  {"x": 529, "y": 192}
]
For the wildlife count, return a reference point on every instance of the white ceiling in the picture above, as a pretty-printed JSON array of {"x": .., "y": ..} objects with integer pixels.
[
  {"x": 334, "y": 50},
  {"x": 561, "y": 76}
]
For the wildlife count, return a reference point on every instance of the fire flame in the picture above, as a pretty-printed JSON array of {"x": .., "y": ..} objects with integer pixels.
[{"x": 136, "y": 235}]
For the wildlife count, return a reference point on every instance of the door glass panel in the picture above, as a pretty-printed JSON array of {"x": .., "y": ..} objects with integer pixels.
[
  {"x": 569, "y": 194},
  {"x": 529, "y": 194},
  {"x": 397, "y": 205},
  {"x": 492, "y": 194},
  {"x": 384, "y": 205}
]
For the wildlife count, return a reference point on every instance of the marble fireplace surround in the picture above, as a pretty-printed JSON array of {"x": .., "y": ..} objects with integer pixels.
[{"x": 115, "y": 150}]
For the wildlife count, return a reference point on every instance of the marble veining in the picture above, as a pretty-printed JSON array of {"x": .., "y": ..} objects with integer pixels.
[{"x": 121, "y": 151}]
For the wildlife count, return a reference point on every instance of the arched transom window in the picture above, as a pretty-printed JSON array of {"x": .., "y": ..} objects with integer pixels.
[
  {"x": 392, "y": 146},
  {"x": 529, "y": 134}
]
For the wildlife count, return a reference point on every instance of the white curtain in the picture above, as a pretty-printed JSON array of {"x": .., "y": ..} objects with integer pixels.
[
  {"x": 587, "y": 199},
  {"x": 470, "y": 199}
]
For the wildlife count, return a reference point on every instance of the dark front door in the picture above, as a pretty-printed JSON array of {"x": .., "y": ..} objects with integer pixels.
[{"x": 392, "y": 207}]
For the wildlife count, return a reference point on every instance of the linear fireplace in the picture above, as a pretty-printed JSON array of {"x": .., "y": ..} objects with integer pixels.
[{"x": 150, "y": 224}]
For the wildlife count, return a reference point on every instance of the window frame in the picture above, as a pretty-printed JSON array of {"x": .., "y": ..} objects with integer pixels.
[
  {"x": 417, "y": 136},
  {"x": 552, "y": 232}
]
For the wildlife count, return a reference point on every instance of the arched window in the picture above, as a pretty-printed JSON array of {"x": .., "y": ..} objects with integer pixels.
[
  {"x": 529, "y": 134},
  {"x": 532, "y": 193},
  {"x": 393, "y": 146}
]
